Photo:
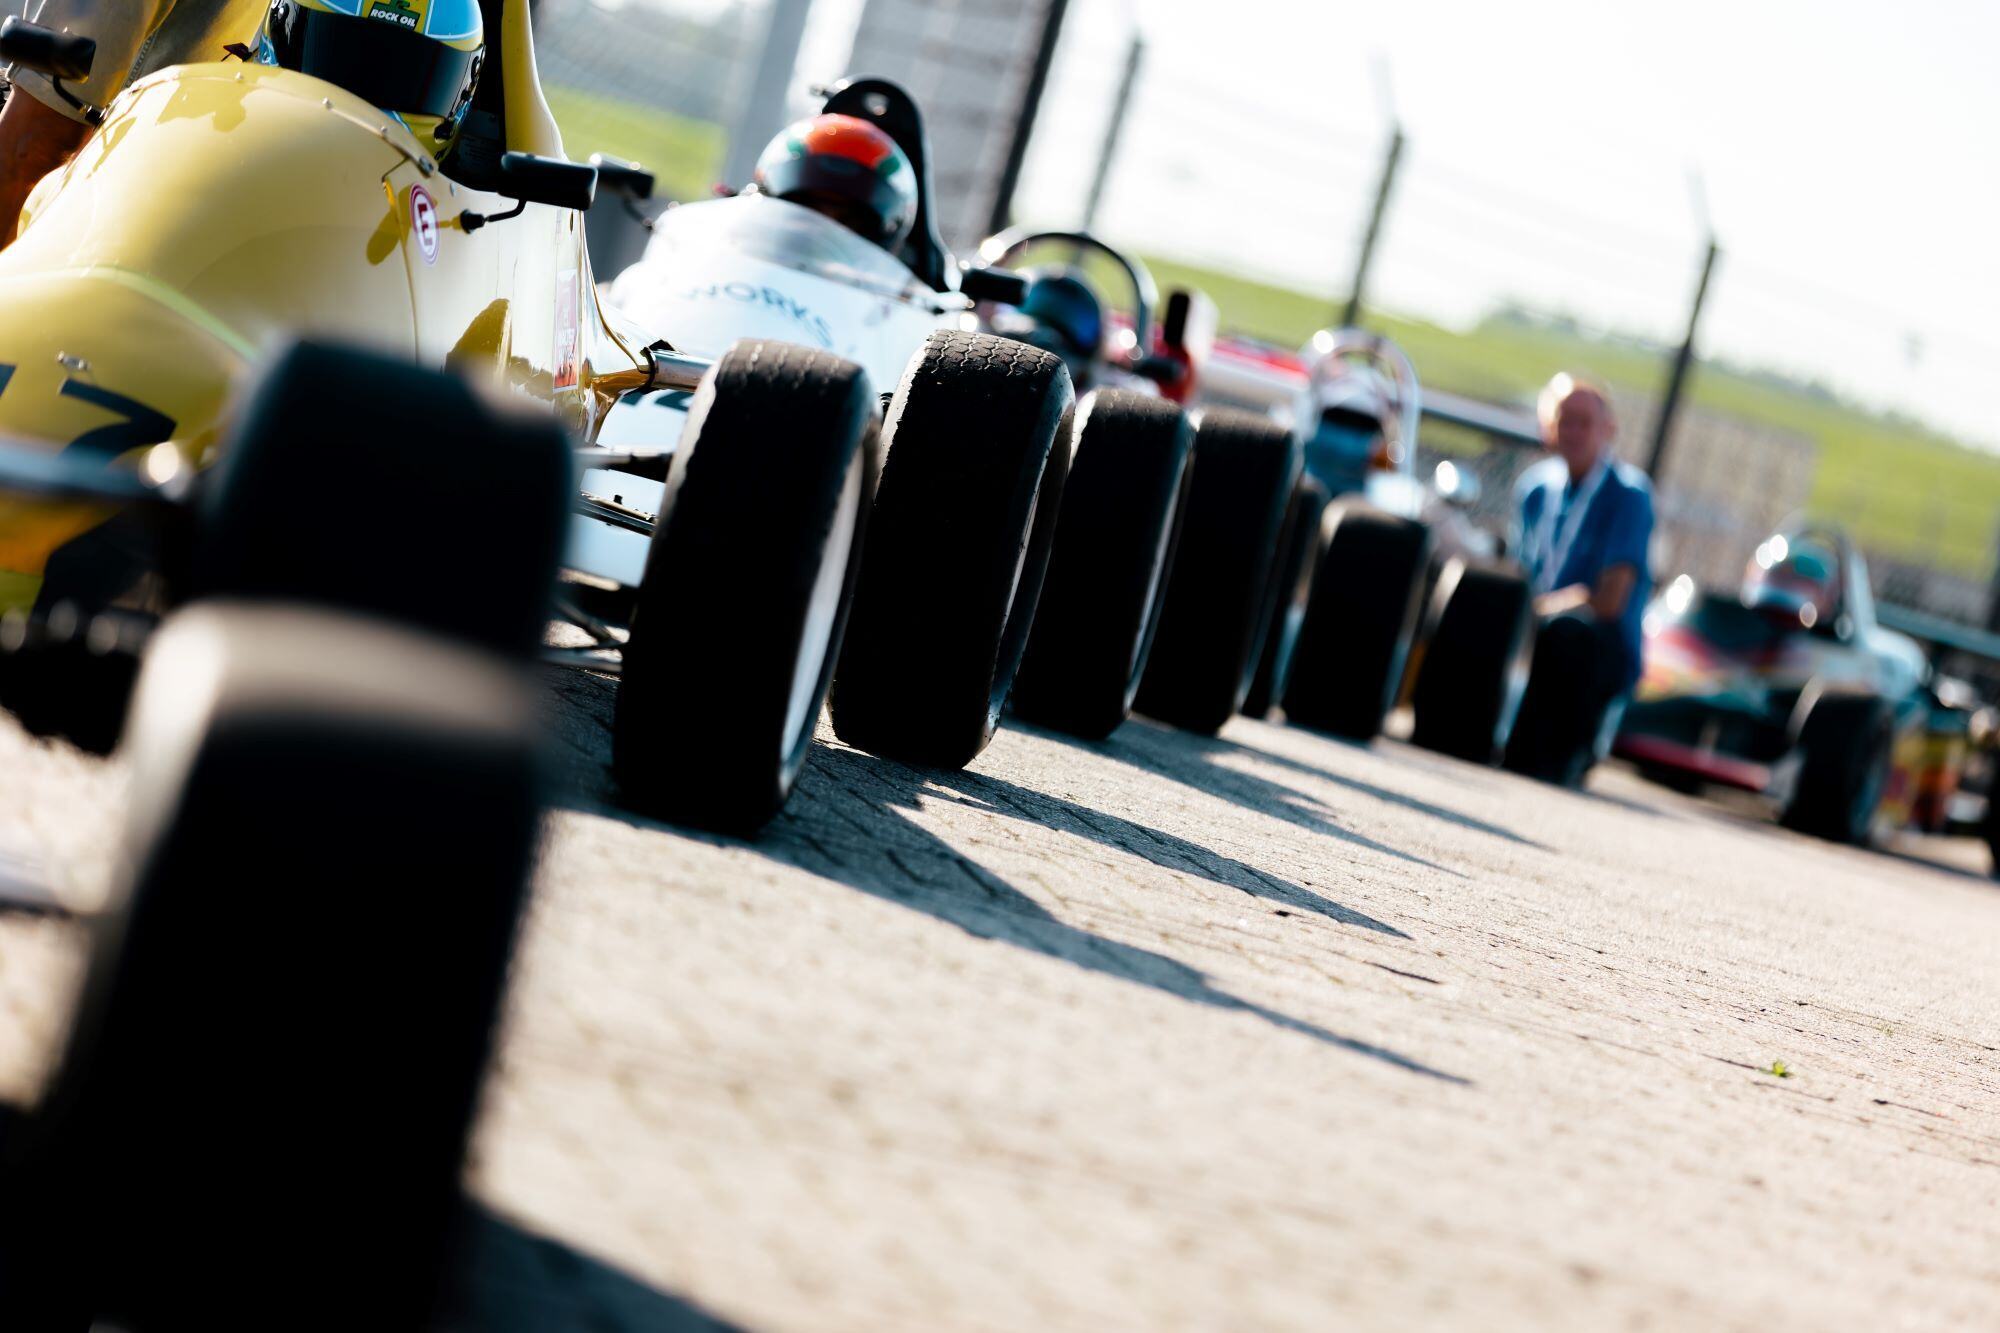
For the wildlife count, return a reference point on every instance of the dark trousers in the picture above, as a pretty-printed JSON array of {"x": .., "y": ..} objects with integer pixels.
[{"x": 1579, "y": 668}]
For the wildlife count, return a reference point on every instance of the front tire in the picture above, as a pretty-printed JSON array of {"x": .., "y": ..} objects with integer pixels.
[
  {"x": 1298, "y": 553},
  {"x": 1114, "y": 545},
  {"x": 1219, "y": 596},
  {"x": 1357, "y": 631},
  {"x": 1475, "y": 662},
  {"x": 754, "y": 559},
  {"x": 288, "y": 1007},
  {"x": 1845, "y": 743},
  {"x": 978, "y": 444}
]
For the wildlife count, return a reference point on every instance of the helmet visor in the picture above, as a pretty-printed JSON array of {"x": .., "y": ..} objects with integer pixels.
[{"x": 380, "y": 62}]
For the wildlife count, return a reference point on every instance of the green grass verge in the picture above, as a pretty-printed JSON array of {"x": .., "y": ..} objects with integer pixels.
[
  {"x": 1900, "y": 489},
  {"x": 685, "y": 154}
]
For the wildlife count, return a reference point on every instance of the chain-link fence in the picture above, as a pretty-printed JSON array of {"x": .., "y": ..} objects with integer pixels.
[
  {"x": 652, "y": 81},
  {"x": 1492, "y": 284}
]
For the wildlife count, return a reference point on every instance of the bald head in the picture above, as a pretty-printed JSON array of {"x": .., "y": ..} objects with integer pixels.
[{"x": 1577, "y": 422}]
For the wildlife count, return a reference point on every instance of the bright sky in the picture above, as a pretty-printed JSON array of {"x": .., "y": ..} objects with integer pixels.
[{"x": 1846, "y": 148}]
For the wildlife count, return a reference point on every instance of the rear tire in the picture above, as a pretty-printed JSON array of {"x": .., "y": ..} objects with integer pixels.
[
  {"x": 1475, "y": 662},
  {"x": 1845, "y": 741},
  {"x": 1114, "y": 546},
  {"x": 365, "y": 482},
  {"x": 752, "y": 567},
  {"x": 1219, "y": 597},
  {"x": 287, "y": 1011},
  {"x": 1356, "y": 636},
  {"x": 978, "y": 448},
  {"x": 1298, "y": 554}
]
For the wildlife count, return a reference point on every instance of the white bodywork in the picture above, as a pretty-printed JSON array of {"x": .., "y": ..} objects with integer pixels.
[
  {"x": 752, "y": 267},
  {"x": 723, "y": 270}
]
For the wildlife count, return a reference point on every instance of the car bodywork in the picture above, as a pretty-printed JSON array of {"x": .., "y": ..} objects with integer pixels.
[
  {"x": 225, "y": 209},
  {"x": 1726, "y": 683}
]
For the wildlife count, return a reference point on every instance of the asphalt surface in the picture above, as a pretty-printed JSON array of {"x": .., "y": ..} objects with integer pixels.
[{"x": 1169, "y": 1033}]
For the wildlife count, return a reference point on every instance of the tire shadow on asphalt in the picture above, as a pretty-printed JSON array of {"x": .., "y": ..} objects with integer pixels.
[
  {"x": 847, "y": 823},
  {"x": 1195, "y": 761},
  {"x": 507, "y": 1279}
]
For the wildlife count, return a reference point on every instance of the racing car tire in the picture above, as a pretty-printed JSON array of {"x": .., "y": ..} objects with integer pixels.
[
  {"x": 289, "y": 1001},
  {"x": 978, "y": 443},
  {"x": 1298, "y": 544},
  {"x": 1220, "y": 595},
  {"x": 1355, "y": 639},
  {"x": 1844, "y": 741},
  {"x": 1475, "y": 661},
  {"x": 751, "y": 571},
  {"x": 365, "y": 482},
  {"x": 1114, "y": 545}
]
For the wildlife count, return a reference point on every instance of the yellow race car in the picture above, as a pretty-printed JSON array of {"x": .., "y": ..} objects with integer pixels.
[
  {"x": 224, "y": 209},
  {"x": 337, "y": 556}
]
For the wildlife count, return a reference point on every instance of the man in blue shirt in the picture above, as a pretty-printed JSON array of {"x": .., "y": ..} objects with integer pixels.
[{"x": 1584, "y": 521}]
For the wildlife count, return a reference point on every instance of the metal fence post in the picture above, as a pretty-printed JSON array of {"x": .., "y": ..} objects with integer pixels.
[
  {"x": 765, "y": 106},
  {"x": 1053, "y": 14},
  {"x": 1350, "y": 315},
  {"x": 1114, "y": 130},
  {"x": 1670, "y": 404}
]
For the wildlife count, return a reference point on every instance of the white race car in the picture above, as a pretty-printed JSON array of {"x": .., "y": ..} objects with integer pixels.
[{"x": 976, "y": 444}]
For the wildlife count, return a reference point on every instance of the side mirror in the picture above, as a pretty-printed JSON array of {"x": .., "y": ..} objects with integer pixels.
[
  {"x": 999, "y": 285},
  {"x": 548, "y": 180},
  {"x": 46, "y": 51},
  {"x": 627, "y": 180}
]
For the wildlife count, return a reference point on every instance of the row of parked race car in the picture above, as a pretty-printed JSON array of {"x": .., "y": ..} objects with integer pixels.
[{"x": 780, "y": 469}]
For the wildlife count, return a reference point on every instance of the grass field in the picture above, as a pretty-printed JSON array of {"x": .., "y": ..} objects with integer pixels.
[
  {"x": 1901, "y": 489},
  {"x": 685, "y": 154}
]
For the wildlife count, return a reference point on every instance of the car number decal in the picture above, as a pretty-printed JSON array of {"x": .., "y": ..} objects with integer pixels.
[
  {"x": 424, "y": 222},
  {"x": 140, "y": 424}
]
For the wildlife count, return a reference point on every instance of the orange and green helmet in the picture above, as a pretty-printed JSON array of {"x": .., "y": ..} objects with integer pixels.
[{"x": 848, "y": 169}]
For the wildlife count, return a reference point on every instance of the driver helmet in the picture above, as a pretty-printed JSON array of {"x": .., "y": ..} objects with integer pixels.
[
  {"x": 1060, "y": 314},
  {"x": 1796, "y": 579},
  {"x": 1352, "y": 406},
  {"x": 418, "y": 60},
  {"x": 848, "y": 169}
]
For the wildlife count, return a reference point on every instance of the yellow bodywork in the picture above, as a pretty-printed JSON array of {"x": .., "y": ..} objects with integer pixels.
[{"x": 225, "y": 209}]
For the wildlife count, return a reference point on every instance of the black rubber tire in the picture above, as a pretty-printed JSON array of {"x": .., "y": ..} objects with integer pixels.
[
  {"x": 1845, "y": 742},
  {"x": 1121, "y": 511},
  {"x": 1989, "y": 825},
  {"x": 1219, "y": 597},
  {"x": 265, "y": 1097},
  {"x": 1475, "y": 661},
  {"x": 1291, "y": 583},
  {"x": 1355, "y": 640},
  {"x": 978, "y": 447},
  {"x": 1554, "y": 735},
  {"x": 780, "y": 450},
  {"x": 361, "y": 481}
]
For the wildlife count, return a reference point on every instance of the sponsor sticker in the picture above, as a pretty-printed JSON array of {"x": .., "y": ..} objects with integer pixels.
[
  {"x": 400, "y": 12},
  {"x": 424, "y": 222}
]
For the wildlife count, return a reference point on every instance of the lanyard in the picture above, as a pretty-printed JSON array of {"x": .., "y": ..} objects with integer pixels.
[{"x": 1556, "y": 541}]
